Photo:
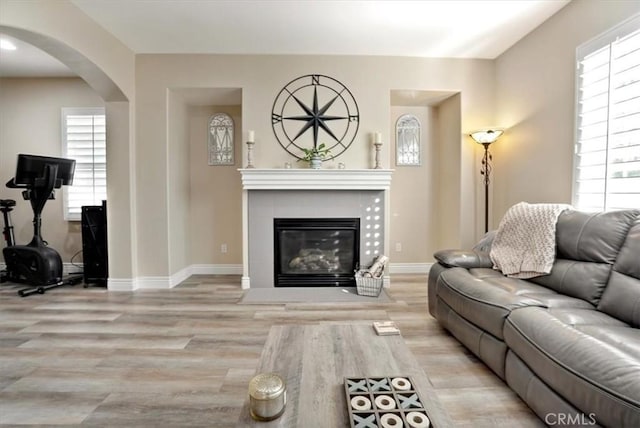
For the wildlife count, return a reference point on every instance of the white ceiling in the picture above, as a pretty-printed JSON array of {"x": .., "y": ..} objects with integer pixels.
[
  {"x": 29, "y": 61},
  {"x": 428, "y": 28}
]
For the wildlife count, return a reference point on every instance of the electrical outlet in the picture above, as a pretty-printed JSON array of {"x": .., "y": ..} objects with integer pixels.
[
  {"x": 398, "y": 247},
  {"x": 223, "y": 248}
]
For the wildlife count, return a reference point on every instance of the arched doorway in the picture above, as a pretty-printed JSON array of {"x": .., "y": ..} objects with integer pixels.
[{"x": 120, "y": 159}]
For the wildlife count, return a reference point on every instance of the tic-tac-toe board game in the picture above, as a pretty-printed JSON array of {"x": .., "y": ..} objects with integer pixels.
[{"x": 384, "y": 402}]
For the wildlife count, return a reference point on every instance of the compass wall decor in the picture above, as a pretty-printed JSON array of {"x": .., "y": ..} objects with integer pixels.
[{"x": 312, "y": 110}]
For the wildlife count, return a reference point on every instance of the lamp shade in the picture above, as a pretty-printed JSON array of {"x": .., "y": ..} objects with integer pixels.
[{"x": 487, "y": 136}]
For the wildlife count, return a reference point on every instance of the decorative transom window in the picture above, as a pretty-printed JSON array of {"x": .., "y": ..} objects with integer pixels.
[
  {"x": 607, "y": 150},
  {"x": 221, "y": 140},
  {"x": 408, "y": 140},
  {"x": 84, "y": 139}
]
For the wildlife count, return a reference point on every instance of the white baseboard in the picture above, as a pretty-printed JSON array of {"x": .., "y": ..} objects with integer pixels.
[
  {"x": 410, "y": 268},
  {"x": 228, "y": 269},
  {"x": 153, "y": 282},
  {"x": 121, "y": 284},
  {"x": 245, "y": 282},
  {"x": 180, "y": 276}
]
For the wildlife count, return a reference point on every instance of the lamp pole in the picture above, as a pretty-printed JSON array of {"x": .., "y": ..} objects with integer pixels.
[
  {"x": 486, "y": 171},
  {"x": 485, "y": 138}
]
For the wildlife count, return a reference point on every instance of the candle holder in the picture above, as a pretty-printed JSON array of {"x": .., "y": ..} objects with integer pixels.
[
  {"x": 250, "y": 154},
  {"x": 378, "y": 145}
]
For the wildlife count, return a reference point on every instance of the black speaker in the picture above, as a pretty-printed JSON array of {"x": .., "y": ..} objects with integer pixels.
[{"x": 94, "y": 244}]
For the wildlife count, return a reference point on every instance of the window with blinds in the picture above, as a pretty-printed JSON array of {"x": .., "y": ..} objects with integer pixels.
[
  {"x": 84, "y": 139},
  {"x": 607, "y": 152}
]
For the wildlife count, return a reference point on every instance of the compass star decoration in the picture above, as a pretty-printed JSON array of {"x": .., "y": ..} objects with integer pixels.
[
  {"x": 301, "y": 102},
  {"x": 315, "y": 117}
]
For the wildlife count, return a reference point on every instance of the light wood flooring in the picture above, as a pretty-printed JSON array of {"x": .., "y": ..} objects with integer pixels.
[{"x": 183, "y": 357}]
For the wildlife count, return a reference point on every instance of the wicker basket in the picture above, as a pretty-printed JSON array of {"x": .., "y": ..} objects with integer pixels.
[{"x": 368, "y": 286}]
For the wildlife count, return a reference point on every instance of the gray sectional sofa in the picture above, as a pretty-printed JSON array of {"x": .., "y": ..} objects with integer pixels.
[{"x": 568, "y": 343}]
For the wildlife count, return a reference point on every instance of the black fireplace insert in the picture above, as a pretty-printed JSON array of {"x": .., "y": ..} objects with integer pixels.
[{"x": 316, "y": 252}]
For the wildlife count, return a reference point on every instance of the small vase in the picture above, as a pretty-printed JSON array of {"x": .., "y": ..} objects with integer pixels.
[{"x": 315, "y": 163}]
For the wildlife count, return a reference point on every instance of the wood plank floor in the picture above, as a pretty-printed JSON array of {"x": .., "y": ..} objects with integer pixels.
[{"x": 183, "y": 357}]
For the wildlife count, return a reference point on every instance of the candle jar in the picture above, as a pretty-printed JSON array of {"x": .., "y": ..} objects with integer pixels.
[{"x": 267, "y": 396}]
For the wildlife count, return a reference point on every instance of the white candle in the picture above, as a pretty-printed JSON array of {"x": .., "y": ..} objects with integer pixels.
[
  {"x": 251, "y": 136},
  {"x": 378, "y": 137}
]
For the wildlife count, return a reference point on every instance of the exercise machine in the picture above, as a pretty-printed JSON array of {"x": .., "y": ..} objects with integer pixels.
[{"x": 37, "y": 264}]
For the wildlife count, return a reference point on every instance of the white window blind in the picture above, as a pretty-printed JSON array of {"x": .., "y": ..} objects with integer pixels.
[
  {"x": 84, "y": 139},
  {"x": 607, "y": 162}
]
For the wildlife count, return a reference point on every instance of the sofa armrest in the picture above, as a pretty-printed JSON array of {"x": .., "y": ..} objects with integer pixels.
[{"x": 465, "y": 259}]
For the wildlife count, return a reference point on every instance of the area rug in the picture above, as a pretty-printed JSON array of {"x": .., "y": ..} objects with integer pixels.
[{"x": 309, "y": 295}]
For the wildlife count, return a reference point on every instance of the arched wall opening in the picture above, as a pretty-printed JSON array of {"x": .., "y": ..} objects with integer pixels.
[{"x": 120, "y": 153}]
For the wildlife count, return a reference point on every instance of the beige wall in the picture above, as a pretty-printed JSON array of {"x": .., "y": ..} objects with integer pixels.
[
  {"x": 413, "y": 193},
  {"x": 216, "y": 193},
  {"x": 536, "y": 103},
  {"x": 120, "y": 193},
  {"x": 450, "y": 218},
  {"x": 178, "y": 181},
  {"x": 261, "y": 77},
  {"x": 30, "y": 122}
]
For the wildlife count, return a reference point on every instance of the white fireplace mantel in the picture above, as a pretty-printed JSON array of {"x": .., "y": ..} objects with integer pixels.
[{"x": 316, "y": 179}]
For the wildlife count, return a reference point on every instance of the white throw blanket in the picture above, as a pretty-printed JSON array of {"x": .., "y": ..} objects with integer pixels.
[{"x": 525, "y": 243}]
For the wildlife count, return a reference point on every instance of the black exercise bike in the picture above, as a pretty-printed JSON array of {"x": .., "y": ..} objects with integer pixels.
[{"x": 36, "y": 264}]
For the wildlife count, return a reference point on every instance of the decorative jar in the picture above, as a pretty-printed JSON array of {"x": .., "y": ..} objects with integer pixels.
[{"x": 267, "y": 396}]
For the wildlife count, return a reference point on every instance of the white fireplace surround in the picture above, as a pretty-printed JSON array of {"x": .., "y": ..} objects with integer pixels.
[{"x": 348, "y": 186}]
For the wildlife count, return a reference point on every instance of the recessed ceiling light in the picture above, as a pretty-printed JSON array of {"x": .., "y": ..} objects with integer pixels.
[{"x": 7, "y": 45}]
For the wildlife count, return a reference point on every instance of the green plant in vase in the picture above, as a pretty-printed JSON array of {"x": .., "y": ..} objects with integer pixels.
[{"x": 316, "y": 155}]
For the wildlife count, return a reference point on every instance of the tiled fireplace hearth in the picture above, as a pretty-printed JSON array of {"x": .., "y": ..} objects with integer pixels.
[{"x": 271, "y": 194}]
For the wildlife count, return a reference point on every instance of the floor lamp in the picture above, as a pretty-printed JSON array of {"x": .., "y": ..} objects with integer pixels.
[{"x": 486, "y": 138}]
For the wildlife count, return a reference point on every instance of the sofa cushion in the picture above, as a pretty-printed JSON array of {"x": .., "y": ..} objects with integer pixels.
[
  {"x": 621, "y": 298},
  {"x": 547, "y": 297},
  {"x": 557, "y": 300},
  {"x": 485, "y": 273},
  {"x": 583, "y": 280},
  {"x": 593, "y": 237},
  {"x": 587, "y": 245},
  {"x": 578, "y": 354},
  {"x": 463, "y": 258},
  {"x": 486, "y": 300}
]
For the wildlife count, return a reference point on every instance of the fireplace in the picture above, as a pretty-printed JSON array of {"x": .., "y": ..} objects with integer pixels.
[
  {"x": 316, "y": 252},
  {"x": 302, "y": 193}
]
